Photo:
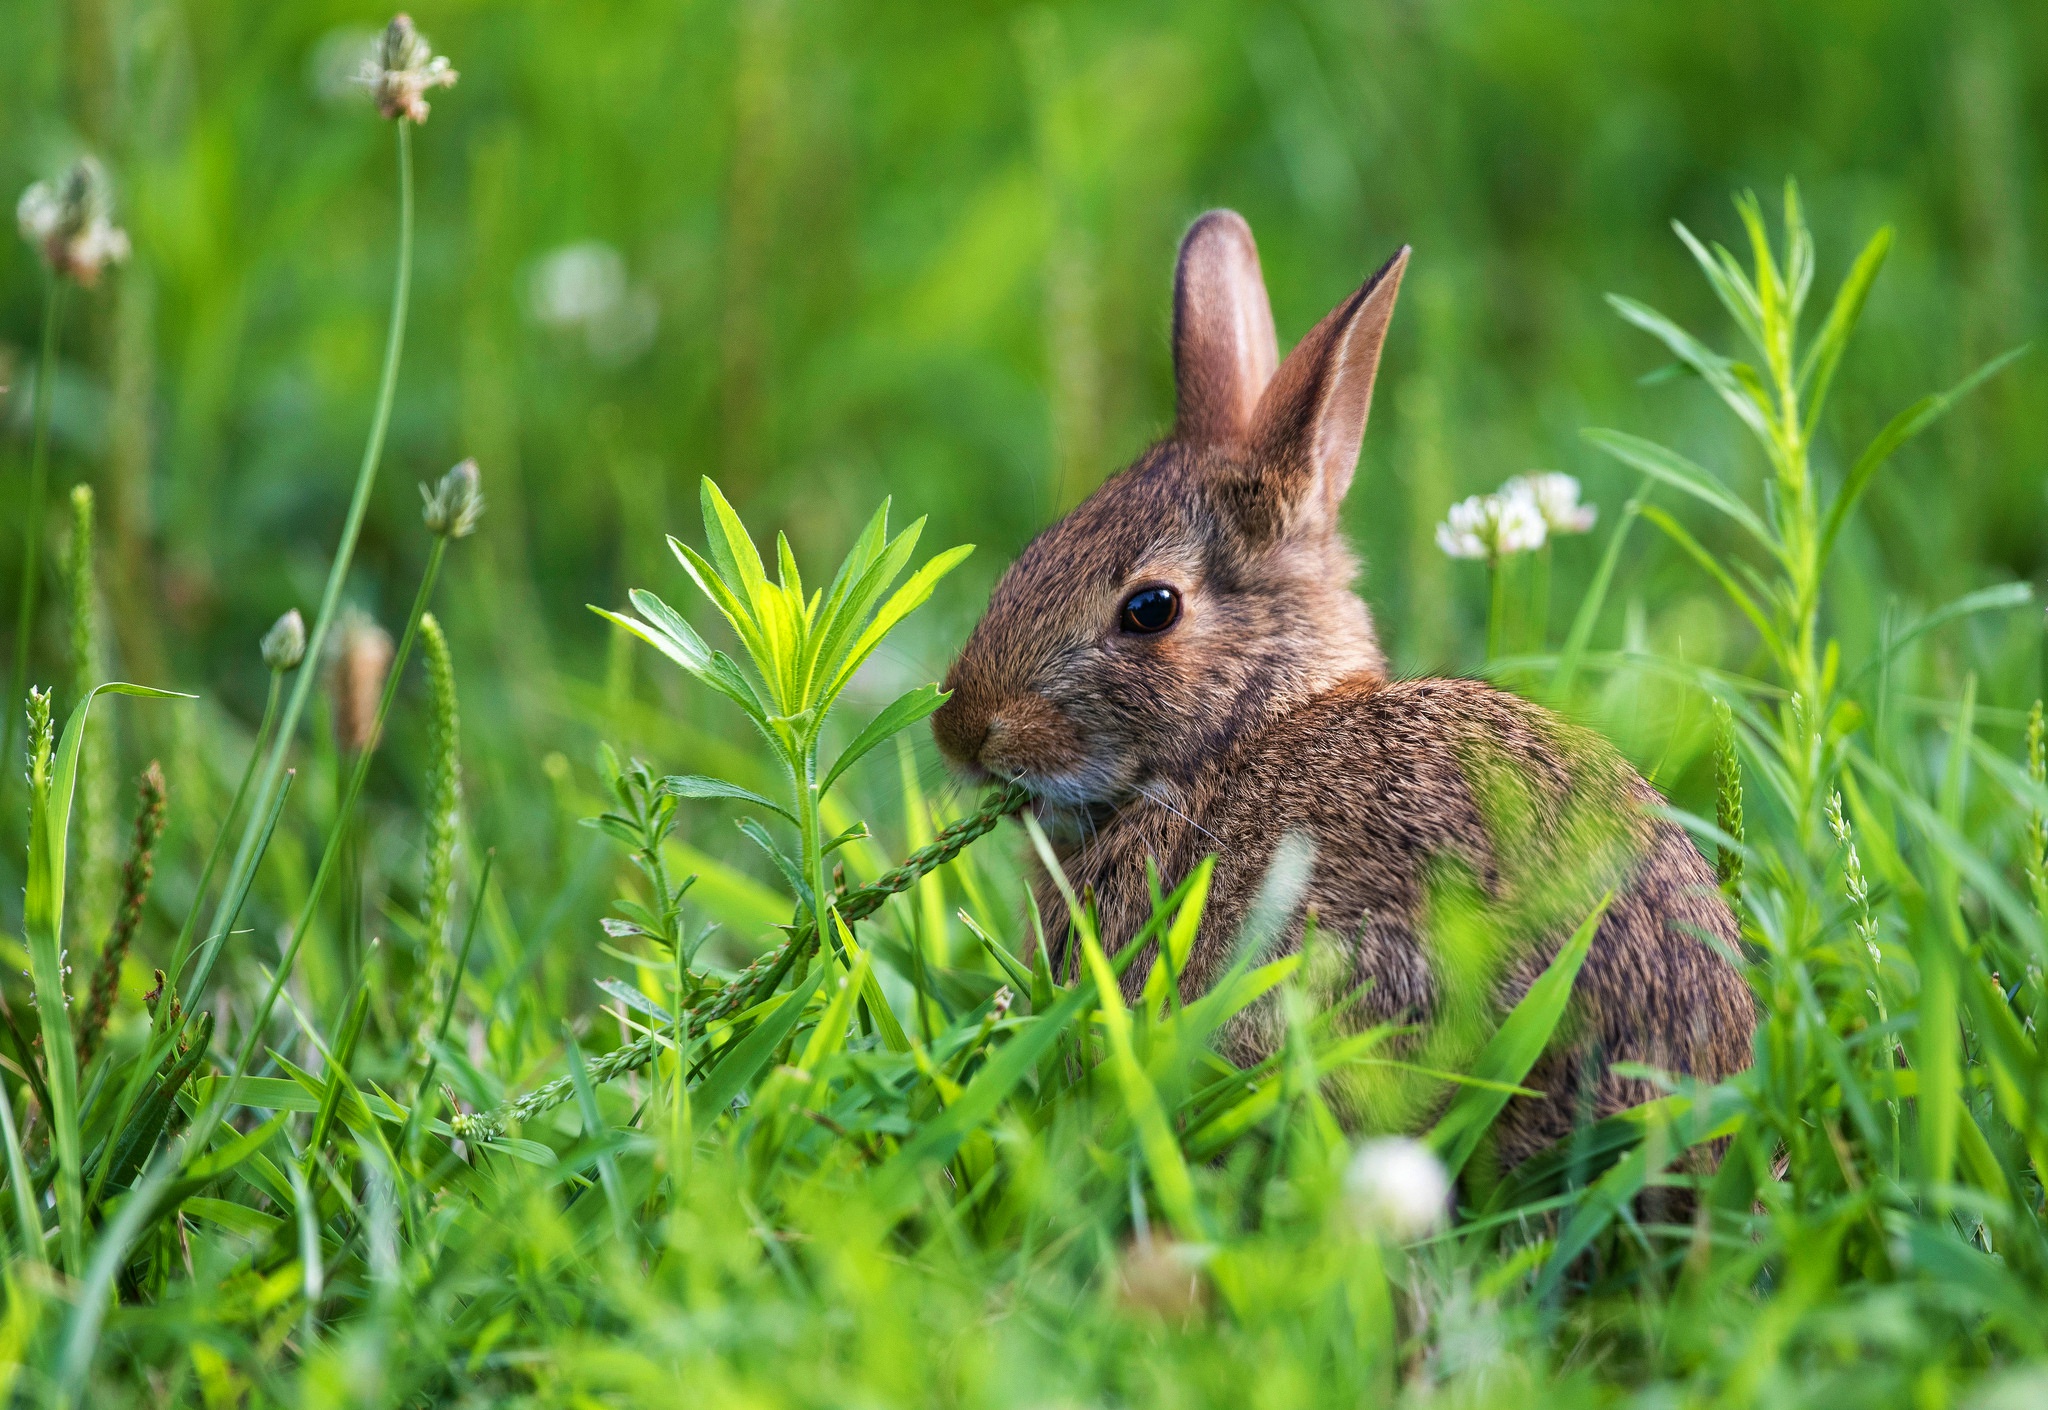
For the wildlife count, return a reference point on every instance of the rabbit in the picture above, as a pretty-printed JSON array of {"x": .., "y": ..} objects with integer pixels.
[{"x": 1180, "y": 667}]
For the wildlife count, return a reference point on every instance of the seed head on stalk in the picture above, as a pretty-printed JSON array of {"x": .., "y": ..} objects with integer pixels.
[
  {"x": 452, "y": 507},
  {"x": 70, "y": 223},
  {"x": 284, "y": 645},
  {"x": 362, "y": 658},
  {"x": 401, "y": 70}
]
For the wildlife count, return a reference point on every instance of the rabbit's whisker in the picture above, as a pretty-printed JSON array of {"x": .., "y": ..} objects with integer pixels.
[{"x": 1160, "y": 799}]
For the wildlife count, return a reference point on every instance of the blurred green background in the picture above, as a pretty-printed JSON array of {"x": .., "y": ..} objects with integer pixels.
[{"x": 826, "y": 252}]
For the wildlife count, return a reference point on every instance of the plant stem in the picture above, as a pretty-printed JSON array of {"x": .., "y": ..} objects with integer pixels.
[
  {"x": 344, "y": 554},
  {"x": 1497, "y": 610},
  {"x": 309, "y": 908},
  {"x": 32, "y": 525}
]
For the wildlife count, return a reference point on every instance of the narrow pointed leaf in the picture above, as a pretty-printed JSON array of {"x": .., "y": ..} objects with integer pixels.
[
  {"x": 1902, "y": 428},
  {"x": 697, "y": 786},
  {"x": 901, "y": 713},
  {"x": 1680, "y": 473}
]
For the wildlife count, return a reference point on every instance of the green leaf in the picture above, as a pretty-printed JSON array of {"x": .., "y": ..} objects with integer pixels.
[
  {"x": 687, "y": 650},
  {"x": 825, "y": 622},
  {"x": 784, "y": 863},
  {"x": 746, "y": 1058},
  {"x": 235, "y": 1218},
  {"x": 1596, "y": 595},
  {"x": 906, "y": 599},
  {"x": 748, "y": 625},
  {"x": 1900, "y": 429},
  {"x": 1700, "y": 358},
  {"x": 692, "y": 652},
  {"x": 831, "y": 646},
  {"x": 1514, "y": 1048},
  {"x": 732, "y": 549},
  {"x": 1675, "y": 470},
  {"x": 697, "y": 786},
  {"x": 1156, "y": 1140},
  {"x": 1730, "y": 284},
  {"x": 1998, "y": 598},
  {"x": 937, "y": 1140},
  {"x": 901, "y": 713},
  {"x": 43, "y": 924},
  {"x": 1818, "y": 370},
  {"x": 1706, "y": 560}
]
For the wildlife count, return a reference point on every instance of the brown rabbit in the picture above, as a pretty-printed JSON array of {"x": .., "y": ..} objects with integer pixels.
[{"x": 1179, "y": 667}]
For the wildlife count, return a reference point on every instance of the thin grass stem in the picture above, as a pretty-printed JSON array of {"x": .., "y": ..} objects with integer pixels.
[{"x": 352, "y": 526}]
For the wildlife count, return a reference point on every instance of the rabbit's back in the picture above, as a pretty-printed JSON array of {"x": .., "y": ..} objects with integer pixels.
[{"x": 1420, "y": 796}]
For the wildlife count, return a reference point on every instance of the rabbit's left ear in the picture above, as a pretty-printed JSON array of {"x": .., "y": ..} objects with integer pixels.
[
  {"x": 1224, "y": 351},
  {"x": 1307, "y": 429}
]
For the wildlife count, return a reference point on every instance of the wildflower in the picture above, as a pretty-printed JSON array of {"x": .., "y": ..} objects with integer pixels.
[
  {"x": 360, "y": 663},
  {"x": 1397, "y": 1187},
  {"x": 284, "y": 645},
  {"x": 70, "y": 222},
  {"x": 1491, "y": 527},
  {"x": 1556, "y": 496},
  {"x": 584, "y": 288},
  {"x": 402, "y": 69},
  {"x": 455, "y": 504}
]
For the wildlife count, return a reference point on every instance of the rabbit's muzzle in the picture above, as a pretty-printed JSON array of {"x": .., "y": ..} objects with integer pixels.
[{"x": 1021, "y": 738}]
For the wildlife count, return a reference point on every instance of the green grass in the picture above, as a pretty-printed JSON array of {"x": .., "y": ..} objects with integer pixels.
[{"x": 666, "y": 1031}]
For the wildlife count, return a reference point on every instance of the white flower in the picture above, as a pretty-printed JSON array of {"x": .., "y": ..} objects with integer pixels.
[
  {"x": 1522, "y": 525},
  {"x": 1491, "y": 526},
  {"x": 70, "y": 222},
  {"x": 402, "y": 69},
  {"x": 1557, "y": 498},
  {"x": 1397, "y": 1188},
  {"x": 584, "y": 287}
]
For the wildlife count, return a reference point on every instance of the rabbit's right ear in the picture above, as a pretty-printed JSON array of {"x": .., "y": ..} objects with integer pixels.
[{"x": 1224, "y": 349}]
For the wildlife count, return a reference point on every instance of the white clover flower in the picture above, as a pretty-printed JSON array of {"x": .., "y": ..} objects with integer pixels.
[
  {"x": 1466, "y": 531},
  {"x": 1557, "y": 498},
  {"x": 402, "y": 69},
  {"x": 70, "y": 223},
  {"x": 1397, "y": 1188},
  {"x": 1521, "y": 524},
  {"x": 1491, "y": 526}
]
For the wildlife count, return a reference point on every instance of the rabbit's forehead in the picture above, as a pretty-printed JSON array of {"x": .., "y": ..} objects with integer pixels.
[{"x": 1137, "y": 525}]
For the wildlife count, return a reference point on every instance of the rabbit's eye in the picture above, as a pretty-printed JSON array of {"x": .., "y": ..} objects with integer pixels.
[{"x": 1152, "y": 610}]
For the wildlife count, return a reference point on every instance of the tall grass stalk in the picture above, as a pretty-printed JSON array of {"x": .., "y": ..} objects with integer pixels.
[
  {"x": 269, "y": 777},
  {"x": 95, "y": 750}
]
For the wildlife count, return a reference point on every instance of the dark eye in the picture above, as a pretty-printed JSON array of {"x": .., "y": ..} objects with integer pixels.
[{"x": 1152, "y": 610}]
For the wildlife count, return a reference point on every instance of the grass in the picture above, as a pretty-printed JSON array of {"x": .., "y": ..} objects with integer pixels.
[{"x": 400, "y": 1122}]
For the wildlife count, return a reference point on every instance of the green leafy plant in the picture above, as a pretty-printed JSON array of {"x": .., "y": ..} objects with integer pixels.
[{"x": 803, "y": 651}]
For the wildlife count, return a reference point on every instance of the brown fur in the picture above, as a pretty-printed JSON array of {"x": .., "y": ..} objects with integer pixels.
[{"x": 1266, "y": 710}]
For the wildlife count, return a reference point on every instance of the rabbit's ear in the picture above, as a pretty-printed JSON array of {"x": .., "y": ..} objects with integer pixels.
[
  {"x": 1224, "y": 351},
  {"x": 1308, "y": 426}
]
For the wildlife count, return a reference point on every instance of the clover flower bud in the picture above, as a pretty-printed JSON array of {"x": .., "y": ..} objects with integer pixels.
[
  {"x": 401, "y": 70},
  {"x": 1397, "y": 1188},
  {"x": 453, "y": 506},
  {"x": 284, "y": 645},
  {"x": 70, "y": 223}
]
